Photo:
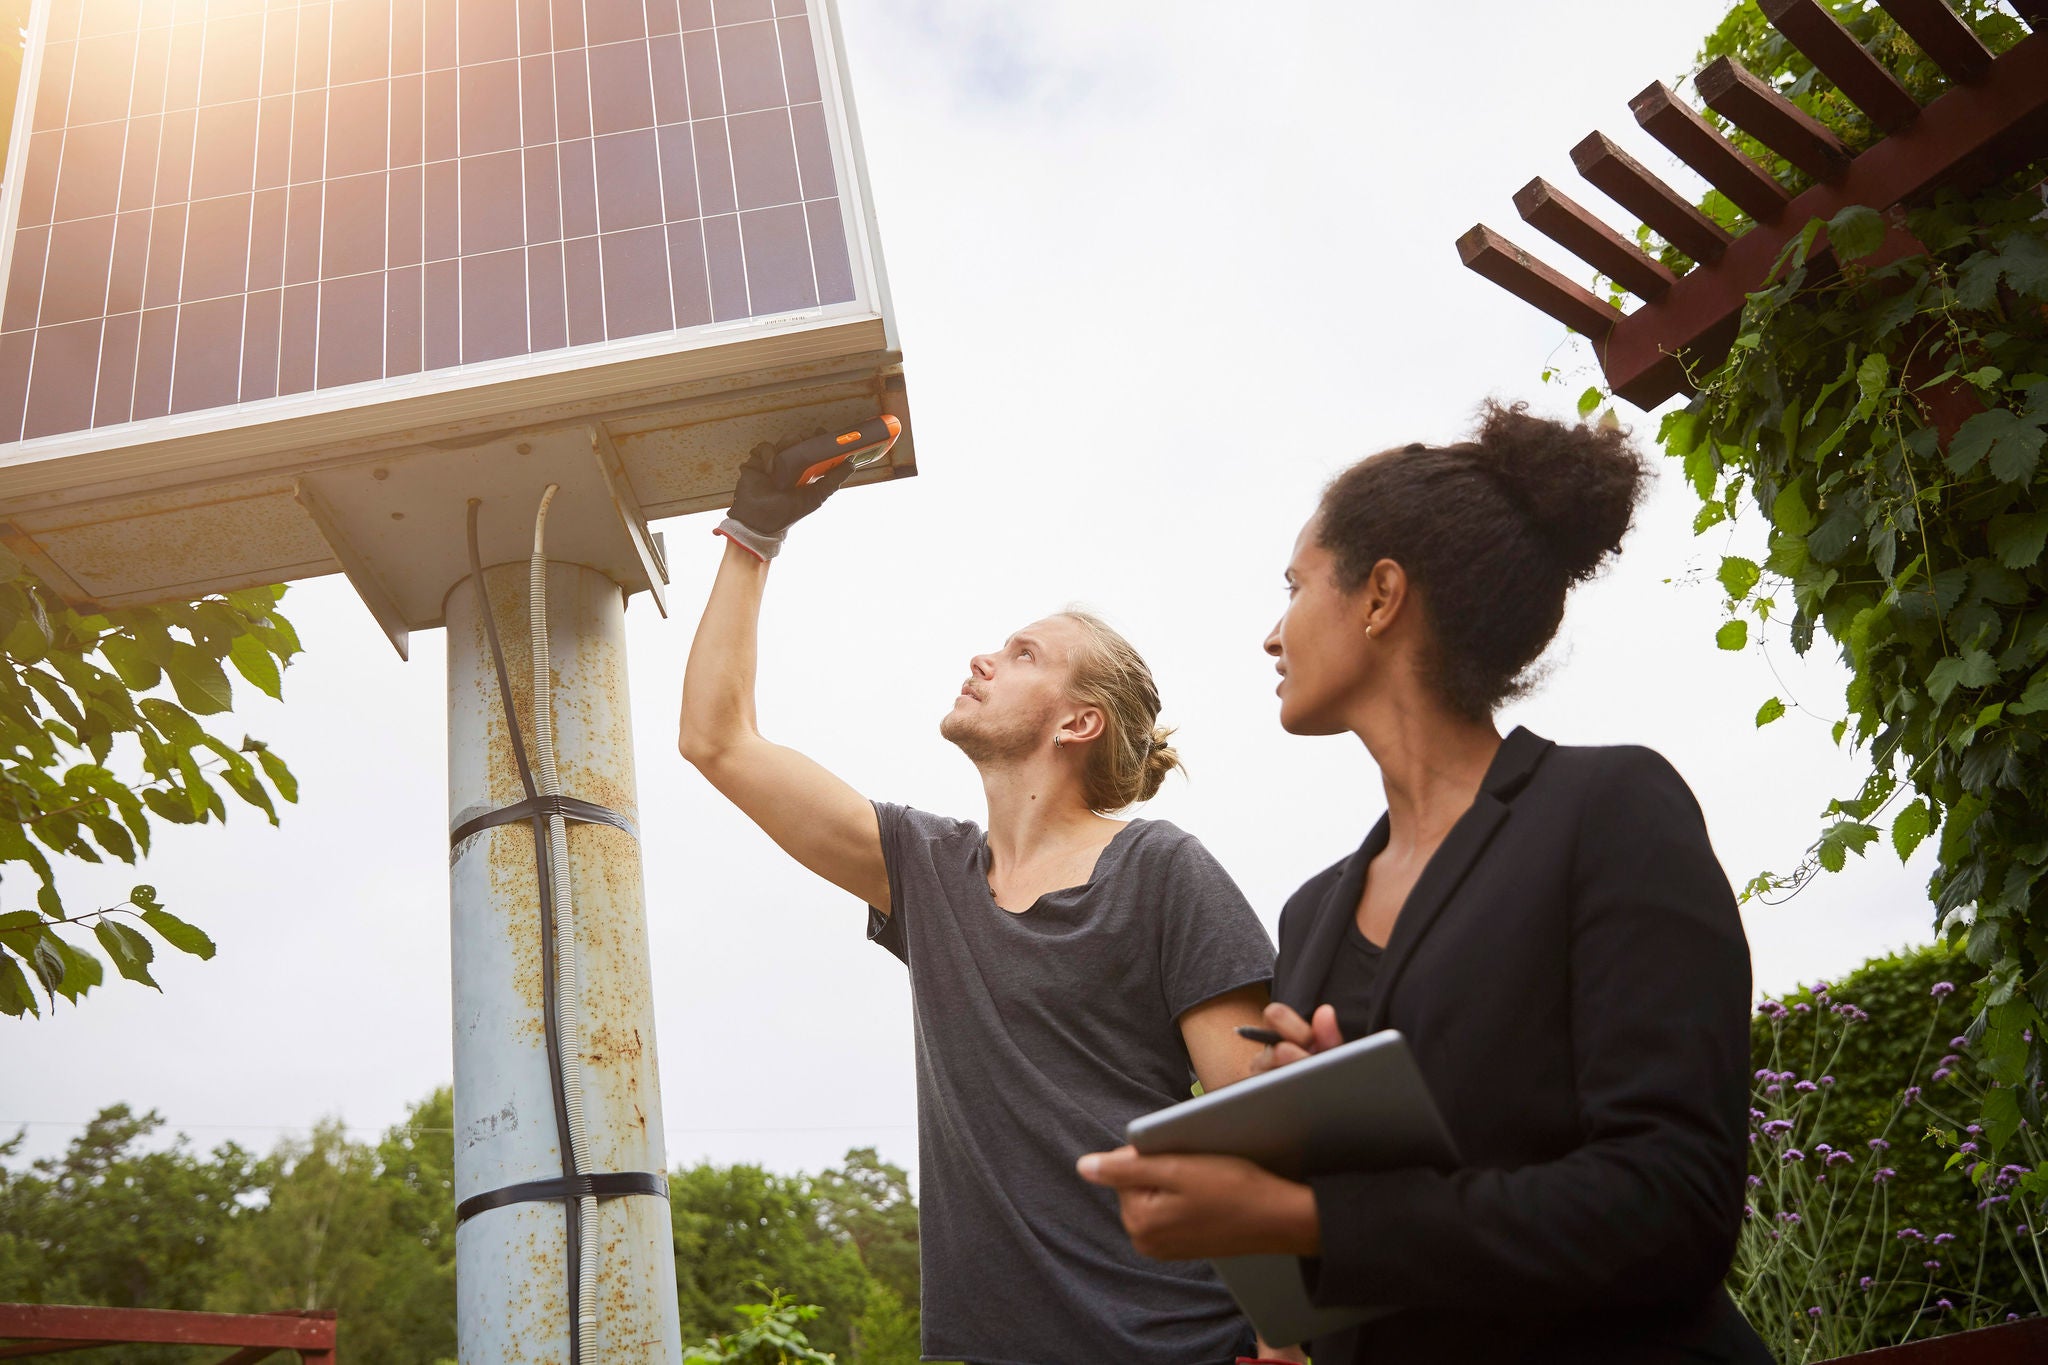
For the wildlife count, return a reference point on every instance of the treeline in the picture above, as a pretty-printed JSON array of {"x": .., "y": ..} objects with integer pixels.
[{"x": 368, "y": 1230}]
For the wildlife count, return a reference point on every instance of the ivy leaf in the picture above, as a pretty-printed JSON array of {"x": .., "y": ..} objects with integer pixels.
[
  {"x": 131, "y": 951},
  {"x": 2036, "y": 697},
  {"x": 1732, "y": 636},
  {"x": 1789, "y": 512},
  {"x": 1768, "y": 712},
  {"x": 2012, "y": 444},
  {"x": 1738, "y": 576},
  {"x": 1873, "y": 378},
  {"x": 2017, "y": 539},
  {"x": 1855, "y": 232},
  {"x": 184, "y": 937},
  {"x": 1841, "y": 839},
  {"x": 1913, "y": 825},
  {"x": 1972, "y": 668},
  {"x": 1588, "y": 401}
]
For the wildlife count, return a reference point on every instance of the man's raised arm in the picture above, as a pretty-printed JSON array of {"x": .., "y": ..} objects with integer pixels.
[{"x": 817, "y": 819}]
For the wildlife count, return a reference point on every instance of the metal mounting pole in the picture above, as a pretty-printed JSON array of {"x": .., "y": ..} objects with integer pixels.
[{"x": 512, "y": 1299}]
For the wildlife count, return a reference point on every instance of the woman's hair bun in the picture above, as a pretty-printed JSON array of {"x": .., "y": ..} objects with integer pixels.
[
  {"x": 1578, "y": 484},
  {"x": 1161, "y": 758}
]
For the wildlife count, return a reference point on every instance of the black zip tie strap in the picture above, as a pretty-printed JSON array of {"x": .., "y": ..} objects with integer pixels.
[
  {"x": 605, "y": 1185},
  {"x": 568, "y": 807}
]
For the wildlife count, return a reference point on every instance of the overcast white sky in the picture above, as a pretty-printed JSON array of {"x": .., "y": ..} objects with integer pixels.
[{"x": 1160, "y": 270}]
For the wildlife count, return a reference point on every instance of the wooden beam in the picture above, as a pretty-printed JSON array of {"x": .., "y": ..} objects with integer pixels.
[
  {"x": 1942, "y": 36},
  {"x": 1530, "y": 280},
  {"x": 1843, "y": 60},
  {"x": 1971, "y": 135},
  {"x": 48, "y": 1322},
  {"x": 1621, "y": 178},
  {"x": 16, "y": 1350},
  {"x": 1771, "y": 119},
  {"x": 1700, "y": 145},
  {"x": 1591, "y": 240}
]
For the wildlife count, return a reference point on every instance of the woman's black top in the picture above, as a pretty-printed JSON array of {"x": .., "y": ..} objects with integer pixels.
[
  {"x": 1349, "y": 985},
  {"x": 1571, "y": 974}
]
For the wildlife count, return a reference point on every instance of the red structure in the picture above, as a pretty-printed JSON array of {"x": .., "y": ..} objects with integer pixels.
[
  {"x": 39, "y": 1329},
  {"x": 1991, "y": 121}
]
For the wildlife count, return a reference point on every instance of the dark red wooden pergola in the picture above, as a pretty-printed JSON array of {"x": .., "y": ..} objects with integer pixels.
[
  {"x": 46, "y": 1329},
  {"x": 1991, "y": 120}
]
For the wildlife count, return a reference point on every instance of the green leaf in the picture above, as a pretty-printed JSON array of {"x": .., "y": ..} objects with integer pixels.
[
  {"x": 130, "y": 951},
  {"x": 131, "y": 662},
  {"x": 280, "y": 776},
  {"x": 199, "y": 681},
  {"x": 2001, "y": 1115},
  {"x": 1733, "y": 635},
  {"x": 184, "y": 937},
  {"x": 1855, "y": 232},
  {"x": 1768, "y": 712},
  {"x": 1911, "y": 827},
  {"x": 255, "y": 663},
  {"x": 1842, "y": 838},
  {"x": 82, "y": 971},
  {"x": 1738, "y": 576},
  {"x": 2018, "y": 538},
  {"x": 1789, "y": 512},
  {"x": 1873, "y": 378},
  {"x": 1971, "y": 668},
  {"x": 2010, "y": 443},
  {"x": 17, "y": 997},
  {"x": 47, "y": 961},
  {"x": 1589, "y": 400}
]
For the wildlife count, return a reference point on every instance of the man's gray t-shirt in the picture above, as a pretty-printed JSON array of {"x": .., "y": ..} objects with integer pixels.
[{"x": 1039, "y": 1036}]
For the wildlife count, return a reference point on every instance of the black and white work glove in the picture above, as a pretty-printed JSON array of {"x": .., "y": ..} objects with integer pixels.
[{"x": 762, "y": 510}]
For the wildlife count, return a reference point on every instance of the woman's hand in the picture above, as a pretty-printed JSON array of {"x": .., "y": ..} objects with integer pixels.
[
  {"x": 1181, "y": 1208},
  {"x": 1302, "y": 1038}
]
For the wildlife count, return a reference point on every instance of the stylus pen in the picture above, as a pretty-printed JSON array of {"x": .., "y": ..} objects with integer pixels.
[{"x": 1259, "y": 1035}]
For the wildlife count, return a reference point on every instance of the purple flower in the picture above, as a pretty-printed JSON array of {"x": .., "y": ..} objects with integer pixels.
[
  {"x": 1911, "y": 1235},
  {"x": 1942, "y": 988},
  {"x": 1766, "y": 1075},
  {"x": 1778, "y": 1127},
  {"x": 1959, "y": 1042},
  {"x": 2008, "y": 1174},
  {"x": 1984, "y": 1204},
  {"x": 1792, "y": 1154},
  {"x": 1757, "y": 1114},
  {"x": 1879, "y": 1145},
  {"x": 1852, "y": 1014},
  {"x": 1912, "y": 1094},
  {"x": 1941, "y": 1237},
  {"x": 1967, "y": 1147},
  {"x": 1949, "y": 1060},
  {"x": 1865, "y": 1282},
  {"x": 1754, "y": 1181},
  {"x": 2021, "y": 1229},
  {"x": 1840, "y": 1159},
  {"x": 2012, "y": 1317},
  {"x": 1813, "y": 1312},
  {"x": 1789, "y": 1219},
  {"x": 1944, "y": 1305},
  {"x": 1749, "y": 1210},
  {"x": 1940, "y": 1074},
  {"x": 1806, "y": 1087},
  {"x": 1803, "y": 1008},
  {"x": 1773, "y": 1088},
  {"x": 1820, "y": 988},
  {"x": 1827, "y": 1080},
  {"x": 1973, "y": 1130},
  {"x": 1883, "y": 1174},
  {"x": 1932, "y": 1265}
]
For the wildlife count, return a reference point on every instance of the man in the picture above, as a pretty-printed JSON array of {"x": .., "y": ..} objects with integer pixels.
[{"x": 1068, "y": 970}]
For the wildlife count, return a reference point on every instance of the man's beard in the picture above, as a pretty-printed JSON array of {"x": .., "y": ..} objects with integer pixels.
[{"x": 990, "y": 744}]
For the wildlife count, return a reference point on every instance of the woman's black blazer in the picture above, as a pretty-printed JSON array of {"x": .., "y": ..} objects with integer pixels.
[{"x": 1572, "y": 975}]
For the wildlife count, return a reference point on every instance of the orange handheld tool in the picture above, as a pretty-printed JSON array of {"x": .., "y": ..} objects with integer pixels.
[{"x": 806, "y": 462}]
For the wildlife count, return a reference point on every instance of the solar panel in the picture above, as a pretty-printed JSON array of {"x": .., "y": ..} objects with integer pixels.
[
  {"x": 260, "y": 254},
  {"x": 224, "y": 201}
]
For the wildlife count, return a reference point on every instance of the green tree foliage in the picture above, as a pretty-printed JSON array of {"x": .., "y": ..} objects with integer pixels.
[
  {"x": 765, "y": 1262},
  {"x": 100, "y": 736},
  {"x": 322, "y": 1224},
  {"x": 1884, "y": 409}
]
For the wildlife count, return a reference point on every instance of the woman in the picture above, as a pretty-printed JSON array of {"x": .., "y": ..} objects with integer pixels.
[{"x": 1546, "y": 925}]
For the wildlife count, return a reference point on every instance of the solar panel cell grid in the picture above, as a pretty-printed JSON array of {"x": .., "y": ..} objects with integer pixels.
[{"x": 226, "y": 201}]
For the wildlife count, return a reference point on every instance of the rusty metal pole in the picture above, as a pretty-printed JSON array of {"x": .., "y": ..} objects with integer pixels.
[{"x": 511, "y": 1291}]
